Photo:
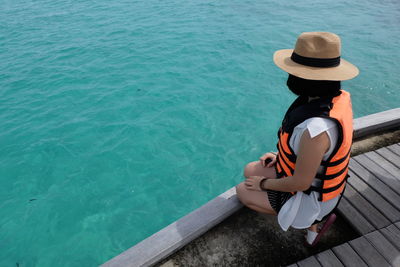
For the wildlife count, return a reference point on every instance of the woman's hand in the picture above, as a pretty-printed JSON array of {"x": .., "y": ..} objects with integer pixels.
[
  {"x": 253, "y": 182},
  {"x": 268, "y": 156}
]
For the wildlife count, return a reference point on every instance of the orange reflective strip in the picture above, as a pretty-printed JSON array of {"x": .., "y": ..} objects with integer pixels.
[
  {"x": 331, "y": 195},
  {"x": 344, "y": 148},
  {"x": 335, "y": 181},
  {"x": 337, "y": 168},
  {"x": 284, "y": 166},
  {"x": 279, "y": 168},
  {"x": 286, "y": 159},
  {"x": 283, "y": 141},
  {"x": 282, "y": 163},
  {"x": 342, "y": 112}
]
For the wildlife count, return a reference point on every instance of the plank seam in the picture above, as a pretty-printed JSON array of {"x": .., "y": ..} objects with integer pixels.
[
  {"x": 337, "y": 256},
  {"x": 357, "y": 252},
  {"x": 395, "y": 224},
  {"x": 333, "y": 254},
  {"x": 315, "y": 256},
  {"x": 376, "y": 192},
  {"x": 366, "y": 218},
  {"x": 359, "y": 232},
  {"x": 368, "y": 183},
  {"x": 393, "y": 150},
  {"x": 388, "y": 160},
  {"x": 375, "y": 247},
  {"x": 389, "y": 240},
  {"x": 372, "y": 204},
  {"x": 376, "y": 176},
  {"x": 390, "y": 163}
]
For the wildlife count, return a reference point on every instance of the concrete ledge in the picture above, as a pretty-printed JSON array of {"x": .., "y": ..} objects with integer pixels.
[
  {"x": 377, "y": 122},
  {"x": 183, "y": 231}
]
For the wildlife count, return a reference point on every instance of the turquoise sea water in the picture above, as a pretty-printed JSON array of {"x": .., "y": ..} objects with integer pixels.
[{"x": 119, "y": 117}]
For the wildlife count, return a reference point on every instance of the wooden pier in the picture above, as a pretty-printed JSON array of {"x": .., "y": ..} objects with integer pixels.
[{"x": 371, "y": 204}]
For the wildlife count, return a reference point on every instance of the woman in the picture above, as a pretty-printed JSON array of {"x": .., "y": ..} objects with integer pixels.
[{"x": 314, "y": 140}]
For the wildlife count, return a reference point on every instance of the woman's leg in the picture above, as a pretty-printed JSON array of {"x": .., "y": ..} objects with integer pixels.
[
  {"x": 314, "y": 228},
  {"x": 256, "y": 169},
  {"x": 256, "y": 200}
]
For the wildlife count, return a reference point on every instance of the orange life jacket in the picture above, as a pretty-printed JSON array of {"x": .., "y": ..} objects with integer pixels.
[{"x": 335, "y": 168}]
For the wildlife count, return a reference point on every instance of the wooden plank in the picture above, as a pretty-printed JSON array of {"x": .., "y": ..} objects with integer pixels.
[
  {"x": 367, "y": 252},
  {"x": 384, "y": 164},
  {"x": 328, "y": 259},
  {"x": 374, "y": 198},
  {"x": 378, "y": 172},
  {"x": 385, "y": 191},
  {"x": 389, "y": 155},
  {"x": 309, "y": 262},
  {"x": 376, "y": 218},
  {"x": 392, "y": 233},
  {"x": 348, "y": 256},
  {"x": 292, "y": 265},
  {"x": 355, "y": 218},
  {"x": 395, "y": 148},
  {"x": 385, "y": 248},
  {"x": 376, "y": 122}
]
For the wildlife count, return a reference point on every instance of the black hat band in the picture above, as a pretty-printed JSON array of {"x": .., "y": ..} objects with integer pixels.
[{"x": 316, "y": 62}]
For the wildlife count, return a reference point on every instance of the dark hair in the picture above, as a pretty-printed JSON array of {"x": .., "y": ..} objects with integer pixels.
[{"x": 304, "y": 87}]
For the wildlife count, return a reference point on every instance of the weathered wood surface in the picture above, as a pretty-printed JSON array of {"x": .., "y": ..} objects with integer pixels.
[
  {"x": 348, "y": 256},
  {"x": 392, "y": 233},
  {"x": 378, "y": 248},
  {"x": 309, "y": 262},
  {"x": 376, "y": 122},
  {"x": 355, "y": 217},
  {"x": 376, "y": 199},
  {"x": 367, "y": 252},
  {"x": 390, "y": 156},
  {"x": 385, "y": 248},
  {"x": 379, "y": 172},
  {"x": 384, "y": 164},
  {"x": 395, "y": 148},
  {"x": 328, "y": 259},
  {"x": 371, "y": 203},
  {"x": 373, "y": 190},
  {"x": 369, "y": 212},
  {"x": 376, "y": 184}
]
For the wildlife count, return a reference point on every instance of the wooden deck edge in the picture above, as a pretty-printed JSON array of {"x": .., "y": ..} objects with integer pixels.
[
  {"x": 181, "y": 232},
  {"x": 377, "y": 122},
  {"x": 178, "y": 234}
]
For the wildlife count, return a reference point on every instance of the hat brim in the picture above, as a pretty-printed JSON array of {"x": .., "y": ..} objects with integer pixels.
[{"x": 345, "y": 71}]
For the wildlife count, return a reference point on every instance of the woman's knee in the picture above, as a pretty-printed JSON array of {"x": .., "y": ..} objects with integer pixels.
[
  {"x": 242, "y": 192},
  {"x": 250, "y": 168},
  {"x": 239, "y": 190}
]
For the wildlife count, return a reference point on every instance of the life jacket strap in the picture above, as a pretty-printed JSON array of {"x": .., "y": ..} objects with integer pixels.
[
  {"x": 332, "y": 176},
  {"x": 337, "y": 162},
  {"x": 320, "y": 190}
]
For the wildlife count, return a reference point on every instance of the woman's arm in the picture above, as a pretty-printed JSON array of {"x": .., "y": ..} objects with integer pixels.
[{"x": 311, "y": 152}]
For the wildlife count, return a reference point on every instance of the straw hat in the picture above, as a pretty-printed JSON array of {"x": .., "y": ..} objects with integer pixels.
[{"x": 316, "y": 56}]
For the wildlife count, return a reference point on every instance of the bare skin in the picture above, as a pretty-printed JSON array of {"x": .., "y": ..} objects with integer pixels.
[
  {"x": 310, "y": 154},
  {"x": 256, "y": 199}
]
